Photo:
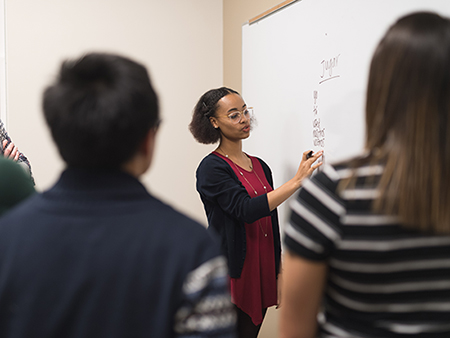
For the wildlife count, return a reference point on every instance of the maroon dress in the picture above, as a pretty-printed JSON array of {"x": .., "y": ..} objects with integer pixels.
[{"x": 256, "y": 289}]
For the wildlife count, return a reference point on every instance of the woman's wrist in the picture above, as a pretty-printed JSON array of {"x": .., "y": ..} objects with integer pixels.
[{"x": 297, "y": 182}]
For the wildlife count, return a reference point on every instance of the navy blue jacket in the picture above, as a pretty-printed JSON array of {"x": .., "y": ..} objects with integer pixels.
[
  {"x": 98, "y": 256},
  {"x": 228, "y": 207}
]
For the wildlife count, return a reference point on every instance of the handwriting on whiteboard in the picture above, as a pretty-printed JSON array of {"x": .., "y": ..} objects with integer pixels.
[
  {"x": 318, "y": 132},
  {"x": 329, "y": 69}
]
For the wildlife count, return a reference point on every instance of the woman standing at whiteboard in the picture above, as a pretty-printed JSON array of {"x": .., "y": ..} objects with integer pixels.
[
  {"x": 240, "y": 203},
  {"x": 369, "y": 240}
]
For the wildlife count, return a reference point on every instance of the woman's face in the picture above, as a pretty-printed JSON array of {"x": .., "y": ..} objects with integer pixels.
[{"x": 226, "y": 118}]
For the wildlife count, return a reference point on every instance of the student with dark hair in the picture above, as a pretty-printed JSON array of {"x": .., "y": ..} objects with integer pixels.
[
  {"x": 240, "y": 203},
  {"x": 97, "y": 255},
  {"x": 368, "y": 245}
]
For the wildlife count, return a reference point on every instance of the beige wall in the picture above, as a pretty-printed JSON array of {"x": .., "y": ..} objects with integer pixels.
[
  {"x": 235, "y": 14},
  {"x": 181, "y": 43}
]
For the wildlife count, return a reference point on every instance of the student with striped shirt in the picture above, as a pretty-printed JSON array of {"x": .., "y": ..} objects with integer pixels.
[{"x": 368, "y": 244}]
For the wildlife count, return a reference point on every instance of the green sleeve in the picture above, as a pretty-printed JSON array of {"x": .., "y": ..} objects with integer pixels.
[{"x": 15, "y": 184}]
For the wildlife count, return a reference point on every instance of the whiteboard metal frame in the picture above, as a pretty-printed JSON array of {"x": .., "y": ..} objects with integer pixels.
[{"x": 271, "y": 11}]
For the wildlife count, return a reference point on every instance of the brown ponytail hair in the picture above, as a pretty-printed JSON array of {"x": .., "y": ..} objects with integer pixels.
[{"x": 407, "y": 121}]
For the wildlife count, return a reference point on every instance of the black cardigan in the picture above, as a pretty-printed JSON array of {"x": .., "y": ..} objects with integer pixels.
[{"x": 228, "y": 207}]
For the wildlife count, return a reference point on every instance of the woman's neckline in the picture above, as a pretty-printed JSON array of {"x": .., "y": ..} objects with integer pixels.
[{"x": 227, "y": 158}]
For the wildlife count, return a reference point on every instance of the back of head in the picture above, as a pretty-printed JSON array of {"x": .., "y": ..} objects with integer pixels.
[
  {"x": 407, "y": 119},
  {"x": 100, "y": 109}
]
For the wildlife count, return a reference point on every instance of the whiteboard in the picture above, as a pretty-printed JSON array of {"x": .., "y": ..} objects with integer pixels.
[{"x": 305, "y": 69}]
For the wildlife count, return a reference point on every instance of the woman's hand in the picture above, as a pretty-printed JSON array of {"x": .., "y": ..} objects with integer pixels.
[
  {"x": 10, "y": 151},
  {"x": 306, "y": 166}
]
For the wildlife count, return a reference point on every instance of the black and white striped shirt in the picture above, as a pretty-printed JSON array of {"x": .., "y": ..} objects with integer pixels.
[{"x": 383, "y": 280}]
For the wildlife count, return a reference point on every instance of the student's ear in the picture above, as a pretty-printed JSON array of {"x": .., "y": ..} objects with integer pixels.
[
  {"x": 214, "y": 122},
  {"x": 148, "y": 144},
  {"x": 147, "y": 149}
]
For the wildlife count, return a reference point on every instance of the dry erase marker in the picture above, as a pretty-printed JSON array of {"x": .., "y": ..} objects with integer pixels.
[{"x": 308, "y": 155}]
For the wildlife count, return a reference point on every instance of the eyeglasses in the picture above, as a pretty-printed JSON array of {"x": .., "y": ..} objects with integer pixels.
[{"x": 236, "y": 116}]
